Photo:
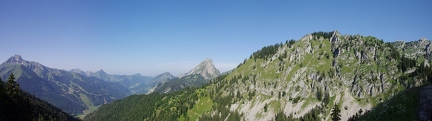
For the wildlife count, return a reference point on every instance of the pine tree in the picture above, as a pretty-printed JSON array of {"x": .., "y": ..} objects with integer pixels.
[
  {"x": 1, "y": 85},
  {"x": 1, "y": 89},
  {"x": 12, "y": 87},
  {"x": 335, "y": 114}
]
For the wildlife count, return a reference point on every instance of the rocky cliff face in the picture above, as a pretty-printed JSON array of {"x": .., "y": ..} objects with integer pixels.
[
  {"x": 415, "y": 49},
  {"x": 354, "y": 70},
  {"x": 206, "y": 69}
]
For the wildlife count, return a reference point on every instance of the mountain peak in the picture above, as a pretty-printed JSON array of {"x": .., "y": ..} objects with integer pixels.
[
  {"x": 207, "y": 60},
  {"x": 166, "y": 73},
  {"x": 15, "y": 59},
  {"x": 205, "y": 69},
  {"x": 101, "y": 71}
]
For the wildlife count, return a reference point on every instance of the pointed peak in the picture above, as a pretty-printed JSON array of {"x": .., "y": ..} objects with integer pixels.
[
  {"x": 208, "y": 60},
  {"x": 15, "y": 59},
  {"x": 101, "y": 71},
  {"x": 335, "y": 32},
  {"x": 205, "y": 68},
  {"x": 16, "y": 56},
  {"x": 137, "y": 74},
  {"x": 76, "y": 70}
]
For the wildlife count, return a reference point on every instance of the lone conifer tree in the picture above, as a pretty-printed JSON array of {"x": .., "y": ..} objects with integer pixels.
[
  {"x": 12, "y": 87},
  {"x": 1, "y": 88},
  {"x": 335, "y": 114}
]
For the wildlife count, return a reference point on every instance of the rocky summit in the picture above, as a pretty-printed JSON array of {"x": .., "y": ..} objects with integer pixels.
[
  {"x": 206, "y": 69},
  {"x": 196, "y": 77}
]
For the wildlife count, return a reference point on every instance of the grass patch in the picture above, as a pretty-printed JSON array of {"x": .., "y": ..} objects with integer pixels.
[
  {"x": 86, "y": 100},
  {"x": 203, "y": 105},
  {"x": 90, "y": 109},
  {"x": 308, "y": 100},
  {"x": 276, "y": 105}
]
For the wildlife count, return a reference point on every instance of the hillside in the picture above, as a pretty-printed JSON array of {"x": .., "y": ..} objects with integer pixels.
[
  {"x": 18, "y": 105},
  {"x": 71, "y": 92},
  {"x": 301, "y": 79},
  {"x": 196, "y": 77}
]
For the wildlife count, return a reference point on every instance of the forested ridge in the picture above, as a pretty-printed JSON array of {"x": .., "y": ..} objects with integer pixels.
[
  {"x": 18, "y": 105},
  {"x": 152, "y": 107}
]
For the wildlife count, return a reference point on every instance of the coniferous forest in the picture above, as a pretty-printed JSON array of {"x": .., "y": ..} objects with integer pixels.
[{"x": 17, "y": 105}]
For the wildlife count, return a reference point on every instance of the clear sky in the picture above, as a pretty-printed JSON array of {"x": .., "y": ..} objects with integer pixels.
[{"x": 151, "y": 37}]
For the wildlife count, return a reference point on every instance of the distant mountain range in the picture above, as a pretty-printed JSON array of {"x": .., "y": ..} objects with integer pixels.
[
  {"x": 196, "y": 77},
  {"x": 135, "y": 83},
  {"x": 78, "y": 92},
  {"x": 69, "y": 91}
]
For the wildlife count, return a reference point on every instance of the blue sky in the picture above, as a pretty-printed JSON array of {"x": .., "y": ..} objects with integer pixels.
[{"x": 152, "y": 37}]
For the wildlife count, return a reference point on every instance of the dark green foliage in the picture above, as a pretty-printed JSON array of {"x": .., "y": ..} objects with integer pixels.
[
  {"x": 154, "y": 107},
  {"x": 177, "y": 84},
  {"x": 296, "y": 99},
  {"x": 266, "y": 52},
  {"x": 12, "y": 87},
  {"x": 280, "y": 116},
  {"x": 406, "y": 63},
  {"x": 221, "y": 102},
  {"x": 326, "y": 98},
  {"x": 401, "y": 107},
  {"x": 251, "y": 94},
  {"x": 335, "y": 114},
  {"x": 17, "y": 105},
  {"x": 325, "y": 35},
  {"x": 393, "y": 52},
  {"x": 312, "y": 115},
  {"x": 319, "y": 94},
  {"x": 290, "y": 43},
  {"x": 422, "y": 72}
]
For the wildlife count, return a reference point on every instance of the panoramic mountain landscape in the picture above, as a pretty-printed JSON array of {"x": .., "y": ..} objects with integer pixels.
[
  {"x": 305, "y": 79},
  {"x": 215, "y": 60}
]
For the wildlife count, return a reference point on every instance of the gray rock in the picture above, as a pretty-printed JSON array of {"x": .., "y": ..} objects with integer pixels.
[{"x": 205, "y": 69}]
